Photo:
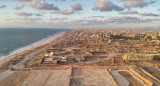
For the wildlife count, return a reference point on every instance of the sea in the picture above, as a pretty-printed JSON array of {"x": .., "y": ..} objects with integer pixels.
[{"x": 13, "y": 40}]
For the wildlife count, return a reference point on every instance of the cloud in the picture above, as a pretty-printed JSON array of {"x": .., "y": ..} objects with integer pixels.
[
  {"x": 96, "y": 17},
  {"x": 63, "y": 0},
  {"x": 10, "y": 19},
  {"x": 125, "y": 19},
  {"x": 136, "y": 3},
  {"x": 159, "y": 9},
  {"x": 123, "y": 0},
  {"x": 148, "y": 14},
  {"x": 130, "y": 4},
  {"x": 59, "y": 0},
  {"x": 3, "y": 6},
  {"x": 24, "y": 19},
  {"x": 19, "y": 6},
  {"x": 23, "y": 14},
  {"x": 60, "y": 19},
  {"x": 76, "y": 6},
  {"x": 67, "y": 12},
  {"x": 42, "y": 5},
  {"x": 30, "y": 19},
  {"x": 24, "y": 0},
  {"x": 87, "y": 22},
  {"x": 128, "y": 0},
  {"x": 38, "y": 14},
  {"x": 106, "y": 5},
  {"x": 124, "y": 22},
  {"x": 128, "y": 19},
  {"x": 112, "y": 20},
  {"x": 129, "y": 12}
]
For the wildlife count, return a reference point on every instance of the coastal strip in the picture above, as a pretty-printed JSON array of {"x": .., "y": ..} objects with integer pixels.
[{"x": 5, "y": 61}]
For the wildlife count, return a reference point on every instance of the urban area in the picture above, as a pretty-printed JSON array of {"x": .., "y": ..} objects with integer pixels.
[{"x": 88, "y": 58}]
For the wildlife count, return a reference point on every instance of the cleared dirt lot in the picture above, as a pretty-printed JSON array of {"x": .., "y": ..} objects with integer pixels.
[
  {"x": 14, "y": 79},
  {"x": 90, "y": 77},
  {"x": 120, "y": 80},
  {"x": 131, "y": 79},
  {"x": 5, "y": 74},
  {"x": 48, "y": 78}
]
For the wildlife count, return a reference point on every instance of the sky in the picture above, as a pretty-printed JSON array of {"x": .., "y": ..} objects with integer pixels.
[{"x": 80, "y": 14}]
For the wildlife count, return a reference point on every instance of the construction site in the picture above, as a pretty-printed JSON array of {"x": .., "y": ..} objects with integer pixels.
[
  {"x": 87, "y": 58},
  {"x": 80, "y": 76}
]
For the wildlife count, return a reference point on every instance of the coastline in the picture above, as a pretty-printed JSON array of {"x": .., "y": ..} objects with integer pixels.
[
  {"x": 46, "y": 41},
  {"x": 34, "y": 43}
]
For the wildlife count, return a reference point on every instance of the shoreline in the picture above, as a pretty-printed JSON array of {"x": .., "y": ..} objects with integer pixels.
[
  {"x": 49, "y": 40},
  {"x": 34, "y": 43},
  {"x": 30, "y": 45}
]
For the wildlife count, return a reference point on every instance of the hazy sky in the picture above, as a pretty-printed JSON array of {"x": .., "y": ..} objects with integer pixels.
[{"x": 96, "y": 14}]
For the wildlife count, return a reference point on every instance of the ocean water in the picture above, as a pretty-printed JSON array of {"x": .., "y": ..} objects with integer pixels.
[{"x": 12, "y": 40}]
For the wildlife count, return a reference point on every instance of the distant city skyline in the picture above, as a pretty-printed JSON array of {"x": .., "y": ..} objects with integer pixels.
[{"x": 80, "y": 14}]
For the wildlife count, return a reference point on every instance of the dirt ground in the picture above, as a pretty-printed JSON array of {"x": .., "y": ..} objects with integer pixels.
[
  {"x": 90, "y": 77},
  {"x": 48, "y": 78},
  {"x": 5, "y": 74},
  {"x": 130, "y": 78},
  {"x": 14, "y": 79}
]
